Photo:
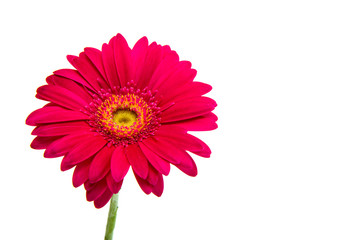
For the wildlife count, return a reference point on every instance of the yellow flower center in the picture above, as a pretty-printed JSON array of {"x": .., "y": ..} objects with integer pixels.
[{"x": 124, "y": 117}]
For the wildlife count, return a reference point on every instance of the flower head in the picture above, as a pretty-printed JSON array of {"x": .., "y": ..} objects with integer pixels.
[{"x": 123, "y": 107}]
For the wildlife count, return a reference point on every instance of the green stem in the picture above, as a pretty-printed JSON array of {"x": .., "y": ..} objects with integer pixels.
[{"x": 111, "y": 217}]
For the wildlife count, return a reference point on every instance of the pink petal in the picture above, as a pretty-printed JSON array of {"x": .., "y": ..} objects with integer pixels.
[
  {"x": 109, "y": 64},
  {"x": 159, "y": 187},
  {"x": 153, "y": 176},
  {"x": 201, "y": 123},
  {"x": 144, "y": 185},
  {"x": 54, "y": 114},
  {"x": 96, "y": 191},
  {"x": 182, "y": 75},
  {"x": 159, "y": 164},
  {"x": 65, "y": 144},
  {"x": 165, "y": 150},
  {"x": 188, "y": 166},
  {"x": 88, "y": 185},
  {"x": 167, "y": 50},
  {"x": 64, "y": 166},
  {"x": 138, "y": 54},
  {"x": 60, "y": 129},
  {"x": 81, "y": 173},
  {"x": 204, "y": 152},
  {"x": 188, "y": 109},
  {"x": 75, "y": 76},
  {"x": 122, "y": 59},
  {"x": 100, "y": 166},
  {"x": 103, "y": 199},
  {"x": 191, "y": 90},
  {"x": 151, "y": 62},
  {"x": 180, "y": 138},
  {"x": 199, "y": 88},
  {"x": 70, "y": 85},
  {"x": 88, "y": 71},
  {"x": 119, "y": 164},
  {"x": 113, "y": 186},
  {"x": 137, "y": 160},
  {"x": 212, "y": 116},
  {"x": 164, "y": 70},
  {"x": 61, "y": 96},
  {"x": 87, "y": 148},
  {"x": 43, "y": 142},
  {"x": 183, "y": 140},
  {"x": 95, "y": 57}
]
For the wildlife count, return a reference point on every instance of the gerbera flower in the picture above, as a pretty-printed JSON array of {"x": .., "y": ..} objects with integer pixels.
[{"x": 123, "y": 107}]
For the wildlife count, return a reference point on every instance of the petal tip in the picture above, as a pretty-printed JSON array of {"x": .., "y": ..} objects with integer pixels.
[
  {"x": 30, "y": 121},
  {"x": 71, "y": 58}
]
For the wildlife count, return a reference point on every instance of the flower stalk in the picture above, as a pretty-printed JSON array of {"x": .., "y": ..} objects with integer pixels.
[{"x": 111, "y": 217}]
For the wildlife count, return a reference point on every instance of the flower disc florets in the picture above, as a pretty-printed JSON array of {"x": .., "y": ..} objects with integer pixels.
[{"x": 125, "y": 115}]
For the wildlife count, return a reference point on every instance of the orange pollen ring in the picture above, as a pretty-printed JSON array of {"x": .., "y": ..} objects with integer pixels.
[{"x": 124, "y": 116}]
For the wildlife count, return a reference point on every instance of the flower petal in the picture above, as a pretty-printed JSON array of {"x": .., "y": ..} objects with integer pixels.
[
  {"x": 109, "y": 64},
  {"x": 153, "y": 176},
  {"x": 199, "y": 88},
  {"x": 159, "y": 164},
  {"x": 69, "y": 85},
  {"x": 81, "y": 173},
  {"x": 95, "y": 57},
  {"x": 43, "y": 142},
  {"x": 138, "y": 54},
  {"x": 159, "y": 187},
  {"x": 61, "y": 96},
  {"x": 87, "y": 70},
  {"x": 137, "y": 160},
  {"x": 88, "y": 185},
  {"x": 204, "y": 152},
  {"x": 103, "y": 199},
  {"x": 151, "y": 62},
  {"x": 144, "y": 185},
  {"x": 188, "y": 109},
  {"x": 119, "y": 164},
  {"x": 60, "y": 129},
  {"x": 147, "y": 187},
  {"x": 96, "y": 191},
  {"x": 65, "y": 144},
  {"x": 164, "y": 70},
  {"x": 54, "y": 114},
  {"x": 179, "y": 137},
  {"x": 182, "y": 75},
  {"x": 165, "y": 150},
  {"x": 100, "y": 166},
  {"x": 191, "y": 90},
  {"x": 87, "y": 148},
  {"x": 113, "y": 186},
  {"x": 188, "y": 166},
  {"x": 75, "y": 76},
  {"x": 122, "y": 59},
  {"x": 201, "y": 123}
]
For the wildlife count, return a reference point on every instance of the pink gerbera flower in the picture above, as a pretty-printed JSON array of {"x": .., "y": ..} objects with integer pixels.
[{"x": 123, "y": 107}]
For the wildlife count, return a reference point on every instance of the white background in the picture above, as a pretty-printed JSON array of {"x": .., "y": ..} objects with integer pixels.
[{"x": 285, "y": 162}]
